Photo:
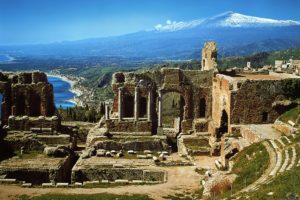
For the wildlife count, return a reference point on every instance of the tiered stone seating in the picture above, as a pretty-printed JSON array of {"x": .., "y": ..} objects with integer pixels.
[
  {"x": 286, "y": 162},
  {"x": 287, "y": 139},
  {"x": 280, "y": 141},
  {"x": 294, "y": 156}
]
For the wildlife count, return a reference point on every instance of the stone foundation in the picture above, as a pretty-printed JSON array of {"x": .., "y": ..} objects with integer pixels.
[
  {"x": 112, "y": 169},
  {"x": 37, "y": 170}
]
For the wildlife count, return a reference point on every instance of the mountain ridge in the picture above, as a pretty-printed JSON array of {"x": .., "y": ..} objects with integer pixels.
[{"x": 235, "y": 33}]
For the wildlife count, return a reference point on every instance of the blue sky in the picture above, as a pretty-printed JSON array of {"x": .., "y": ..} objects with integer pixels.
[{"x": 45, "y": 21}]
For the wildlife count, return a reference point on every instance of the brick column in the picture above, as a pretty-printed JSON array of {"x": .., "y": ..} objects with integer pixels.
[
  {"x": 120, "y": 103},
  {"x": 136, "y": 104},
  {"x": 159, "y": 108},
  {"x": 149, "y": 105},
  {"x": 106, "y": 110}
]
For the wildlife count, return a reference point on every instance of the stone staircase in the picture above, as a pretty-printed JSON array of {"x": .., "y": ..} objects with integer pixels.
[{"x": 282, "y": 159}]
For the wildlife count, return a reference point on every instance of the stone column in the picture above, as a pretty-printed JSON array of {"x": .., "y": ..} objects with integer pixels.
[
  {"x": 120, "y": 103},
  {"x": 106, "y": 110},
  {"x": 149, "y": 105},
  {"x": 136, "y": 104},
  {"x": 159, "y": 108}
]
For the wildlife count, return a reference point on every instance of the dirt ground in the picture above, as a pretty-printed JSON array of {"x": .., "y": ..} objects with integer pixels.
[{"x": 180, "y": 180}]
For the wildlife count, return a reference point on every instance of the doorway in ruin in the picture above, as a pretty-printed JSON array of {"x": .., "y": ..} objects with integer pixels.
[
  {"x": 202, "y": 108},
  {"x": 35, "y": 105},
  {"x": 128, "y": 106},
  {"x": 143, "y": 107},
  {"x": 265, "y": 117},
  {"x": 173, "y": 110},
  {"x": 20, "y": 105},
  {"x": 223, "y": 125}
]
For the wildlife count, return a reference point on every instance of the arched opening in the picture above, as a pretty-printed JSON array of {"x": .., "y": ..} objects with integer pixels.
[
  {"x": 35, "y": 105},
  {"x": 142, "y": 107},
  {"x": 20, "y": 105},
  {"x": 224, "y": 124},
  {"x": 173, "y": 110},
  {"x": 128, "y": 106},
  {"x": 265, "y": 116},
  {"x": 202, "y": 107}
]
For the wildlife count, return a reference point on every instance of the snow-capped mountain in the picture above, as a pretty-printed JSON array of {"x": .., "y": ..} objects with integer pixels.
[
  {"x": 231, "y": 19},
  {"x": 227, "y": 19},
  {"x": 235, "y": 34}
]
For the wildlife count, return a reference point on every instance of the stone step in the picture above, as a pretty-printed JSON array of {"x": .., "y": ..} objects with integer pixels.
[
  {"x": 280, "y": 141},
  {"x": 26, "y": 184},
  {"x": 48, "y": 185},
  {"x": 294, "y": 156},
  {"x": 278, "y": 163},
  {"x": 62, "y": 184},
  {"x": 287, "y": 139},
  {"x": 274, "y": 145},
  {"x": 8, "y": 180},
  {"x": 121, "y": 181},
  {"x": 286, "y": 162},
  {"x": 78, "y": 184}
]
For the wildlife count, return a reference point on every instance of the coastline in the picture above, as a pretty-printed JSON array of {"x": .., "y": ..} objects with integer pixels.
[
  {"x": 72, "y": 89},
  {"x": 9, "y": 59}
]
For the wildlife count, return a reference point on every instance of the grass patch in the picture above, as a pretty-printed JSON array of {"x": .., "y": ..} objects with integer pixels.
[
  {"x": 282, "y": 185},
  {"x": 290, "y": 115},
  {"x": 200, "y": 171},
  {"x": 249, "y": 165},
  {"x": 197, "y": 194},
  {"x": 103, "y": 196}
]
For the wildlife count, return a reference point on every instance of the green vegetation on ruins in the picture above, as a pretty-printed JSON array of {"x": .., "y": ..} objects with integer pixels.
[
  {"x": 249, "y": 165},
  {"x": 78, "y": 113},
  {"x": 103, "y": 196},
  {"x": 285, "y": 185},
  {"x": 291, "y": 115}
]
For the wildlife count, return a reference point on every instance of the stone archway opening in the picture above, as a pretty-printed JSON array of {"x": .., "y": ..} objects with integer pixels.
[
  {"x": 202, "y": 108},
  {"x": 128, "y": 109},
  {"x": 35, "y": 105},
  {"x": 20, "y": 105},
  {"x": 173, "y": 110},
  {"x": 223, "y": 125},
  {"x": 143, "y": 107}
]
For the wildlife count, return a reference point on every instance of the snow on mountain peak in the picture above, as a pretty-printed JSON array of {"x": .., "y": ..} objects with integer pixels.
[
  {"x": 227, "y": 19},
  {"x": 231, "y": 19}
]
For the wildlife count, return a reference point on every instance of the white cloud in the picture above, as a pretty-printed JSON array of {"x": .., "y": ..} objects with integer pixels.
[{"x": 175, "y": 26}]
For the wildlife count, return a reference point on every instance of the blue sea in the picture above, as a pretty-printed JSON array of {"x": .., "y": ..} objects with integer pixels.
[
  {"x": 62, "y": 92},
  {"x": 4, "y": 58}
]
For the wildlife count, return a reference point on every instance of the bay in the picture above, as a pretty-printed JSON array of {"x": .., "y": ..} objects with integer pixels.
[{"x": 62, "y": 93}]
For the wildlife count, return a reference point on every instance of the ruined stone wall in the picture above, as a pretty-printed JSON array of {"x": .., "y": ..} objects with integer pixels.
[
  {"x": 193, "y": 86},
  {"x": 31, "y": 171},
  {"x": 247, "y": 101},
  {"x": 252, "y": 101},
  {"x": 209, "y": 56},
  {"x": 111, "y": 174},
  {"x": 27, "y": 94},
  {"x": 48, "y": 124},
  {"x": 221, "y": 101},
  {"x": 130, "y": 126}
]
